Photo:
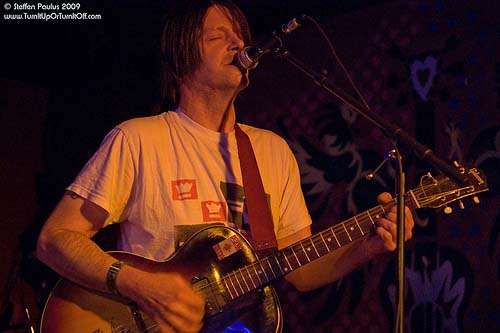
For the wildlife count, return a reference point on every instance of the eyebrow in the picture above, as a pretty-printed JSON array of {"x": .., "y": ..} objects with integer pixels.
[{"x": 218, "y": 28}]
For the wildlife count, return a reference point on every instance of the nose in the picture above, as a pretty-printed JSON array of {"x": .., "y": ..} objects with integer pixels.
[{"x": 236, "y": 42}]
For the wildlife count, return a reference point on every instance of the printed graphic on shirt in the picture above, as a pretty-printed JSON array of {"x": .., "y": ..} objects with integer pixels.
[
  {"x": 213, "y": 211},
  {"x": 235, "y": 198},
  {"x": 227, "y": 247},
  {"x": 237, "y": 208},
  {"x": 184, "y": 189}
]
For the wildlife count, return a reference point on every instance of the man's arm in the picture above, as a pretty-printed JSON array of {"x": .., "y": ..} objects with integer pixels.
[
  {"x": 337, "y": 264},
  {"x": 65, "y": 245}
]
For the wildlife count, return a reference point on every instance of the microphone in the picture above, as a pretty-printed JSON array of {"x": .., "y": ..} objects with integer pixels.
[{"x": 248, "y": 57}]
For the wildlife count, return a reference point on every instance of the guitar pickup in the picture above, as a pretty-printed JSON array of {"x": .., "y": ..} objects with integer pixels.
[{"x": 212, "y": 292}]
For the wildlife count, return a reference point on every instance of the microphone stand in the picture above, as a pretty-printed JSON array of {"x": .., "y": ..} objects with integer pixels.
[
  {"x": 399, "y": 136},
  {"x": 390, "y": 130}
]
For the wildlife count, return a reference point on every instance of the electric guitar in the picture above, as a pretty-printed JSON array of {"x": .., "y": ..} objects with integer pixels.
[{"x": 225, "y": 270}]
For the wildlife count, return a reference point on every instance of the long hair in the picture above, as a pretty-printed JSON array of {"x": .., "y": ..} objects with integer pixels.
[{"x": 180, "y": 43}]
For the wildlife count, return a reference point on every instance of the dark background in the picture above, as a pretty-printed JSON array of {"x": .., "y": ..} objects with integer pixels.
[{"x": 65, "y": 84}]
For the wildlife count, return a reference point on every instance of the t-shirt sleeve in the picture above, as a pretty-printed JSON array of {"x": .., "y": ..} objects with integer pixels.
[
  {"x": 107, "y": 178},
  {"x": 294, "y": 215}
]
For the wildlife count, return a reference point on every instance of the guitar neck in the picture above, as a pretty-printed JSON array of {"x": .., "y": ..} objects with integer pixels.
[
  {"x": 272, "y": 267},
  {"x": 431, "y": 193}
]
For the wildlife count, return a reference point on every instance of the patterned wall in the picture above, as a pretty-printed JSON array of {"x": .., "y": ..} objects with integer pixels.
[{"x": 433, "y": 68}]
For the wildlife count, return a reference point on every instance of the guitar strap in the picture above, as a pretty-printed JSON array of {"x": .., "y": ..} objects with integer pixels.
[{"x": 261, "y": 223}]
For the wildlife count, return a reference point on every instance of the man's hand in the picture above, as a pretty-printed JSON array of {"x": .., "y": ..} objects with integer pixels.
[
  {"x": 386, "y": 228},
  {"x": 167, "y": 298}
]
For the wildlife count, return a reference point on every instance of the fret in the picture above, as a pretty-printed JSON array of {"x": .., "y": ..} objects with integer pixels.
[
  {"x": 286, "y": 261},
  {"x": 278, "y": 263},
  {"x": 305, "y": 252},
  {"x": 326, "y": 245},
  {"x": 330, "y": 239},
  {"x": 336, "y": 239},
  {"x": 319, "y": 245},
  {"x": 238, "y": 282},
  {"x": 228, "y": 288},
  {"x": 300, "y": 254},
  {"x": 288, "y": 255},
  {"x": 382, "y": 209},
  {"x": 275, "y": 266},
  {"x": 366, "y": 223},
  {"x": 295, "y": 256},
  {"x": 284, "y": 264},
  {"x": 231, "y": 284},
  {"x": 347, "y": 232},
  {"x": 264, "y": 271},
  {"x": 313, "y": 247},
  {"x": 257, "y": 274},
  {"x": 251, "y": 278},
  {"x": 368, "y": 213},
  {"x": 356, "y": 220},
  {"x": 244, "y": 279},
  {"x": 354, "y": 230},
  {"x": 271, "y": 267},
  {"x": 342, "y": 235}
]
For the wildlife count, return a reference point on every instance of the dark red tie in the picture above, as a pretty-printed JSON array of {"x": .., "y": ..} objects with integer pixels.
[{"x": 261, "y": 223}]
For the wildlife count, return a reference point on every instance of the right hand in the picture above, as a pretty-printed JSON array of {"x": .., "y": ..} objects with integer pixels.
[{"x": 167, "y": 298}]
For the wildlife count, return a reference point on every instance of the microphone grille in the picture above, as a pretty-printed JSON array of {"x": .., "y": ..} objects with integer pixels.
[{"x": 244, "y": 61}]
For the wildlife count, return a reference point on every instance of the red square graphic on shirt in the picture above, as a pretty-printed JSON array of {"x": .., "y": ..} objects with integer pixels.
[
  {"x": 184, "y": 189},
  {"x": 213, "y": 211}
]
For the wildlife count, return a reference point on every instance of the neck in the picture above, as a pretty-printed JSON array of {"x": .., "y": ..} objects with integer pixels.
[{"x": 213, "y": 110}]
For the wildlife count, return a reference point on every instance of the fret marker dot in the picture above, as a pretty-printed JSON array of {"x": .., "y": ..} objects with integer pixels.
[
  {"x": 329, "y": 239},
  {"x": 260, "y": 272},
  {"x": 352, "y": 228},
  {"x": 309, "y": 249},
  {"x": 286, "y": 269}
]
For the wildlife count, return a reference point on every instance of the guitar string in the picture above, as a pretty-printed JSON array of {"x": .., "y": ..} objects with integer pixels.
[
  {"x": 125, "y": 327},
  {"x": 338, "y": 229},
  {"x": 359, "y": 220},
  {"x": 362, "y": 218}
]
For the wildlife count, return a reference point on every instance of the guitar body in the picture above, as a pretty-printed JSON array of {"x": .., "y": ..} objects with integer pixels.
[
  {"x": 232, "y": 280},
  {"x": 74, "y": 309}
]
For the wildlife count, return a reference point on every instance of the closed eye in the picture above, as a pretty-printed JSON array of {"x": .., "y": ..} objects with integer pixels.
[{"x": 213, "y": 36}]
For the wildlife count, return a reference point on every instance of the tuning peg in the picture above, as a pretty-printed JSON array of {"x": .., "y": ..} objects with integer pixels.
[
  {"x": 476, "y": 199},
  {"x": 459, "y": 167},
  {"x": 447, "y": 210},
  {"x": 461, "y": 204}
]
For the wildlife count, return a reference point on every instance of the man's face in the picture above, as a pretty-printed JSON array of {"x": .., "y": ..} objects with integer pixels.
[{"x": 219, "y": 43}]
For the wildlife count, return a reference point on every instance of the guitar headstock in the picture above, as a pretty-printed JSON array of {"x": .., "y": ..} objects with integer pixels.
[{"x": 435, "y": 192}]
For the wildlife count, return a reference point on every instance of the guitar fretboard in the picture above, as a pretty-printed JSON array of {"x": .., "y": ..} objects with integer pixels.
[{"x": 268, "y": 269}]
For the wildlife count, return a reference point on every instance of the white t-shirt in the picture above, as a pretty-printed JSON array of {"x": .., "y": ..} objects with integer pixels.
[{"x": 164, "y": 176}]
